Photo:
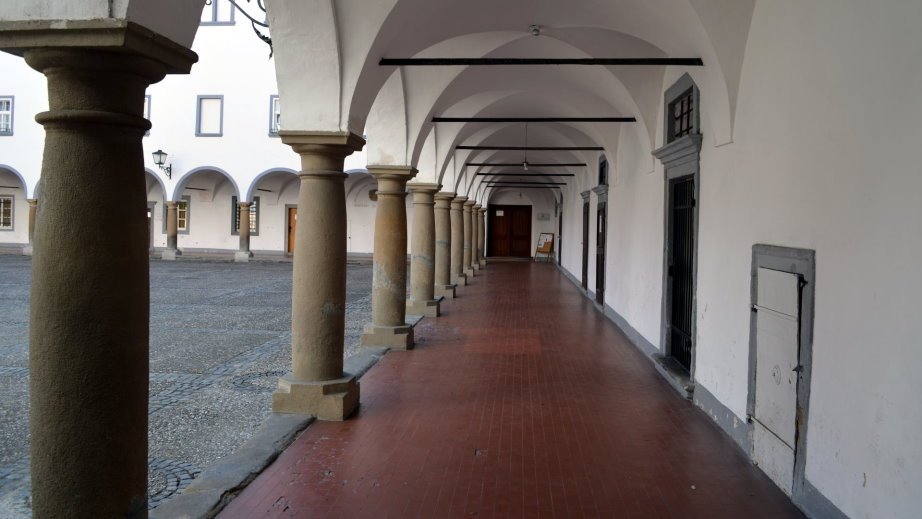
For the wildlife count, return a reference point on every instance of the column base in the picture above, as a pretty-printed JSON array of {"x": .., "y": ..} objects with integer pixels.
[
  {"x": 483, "y": 263},
  {"x": 27, "y": 250},
  {"x": 393, "y": 337},
  {"x": 445, "y": 291},
  {"x": 330, "y": 400},
  {"x": 171, "y": 254},
  {"x": 242, "y": 256},
  {"x": 459, "y": 280},
  {"x": 430, "y": 308},
  {"x": 475, "y": 266},
  {"x": 469, "y": 272}
]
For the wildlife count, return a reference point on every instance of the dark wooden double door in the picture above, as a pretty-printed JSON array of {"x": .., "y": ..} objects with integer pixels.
[{"x": 509, "y": 232}]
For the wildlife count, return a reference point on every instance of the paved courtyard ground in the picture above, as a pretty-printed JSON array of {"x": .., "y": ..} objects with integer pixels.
[{"x": 219, "y": 338}]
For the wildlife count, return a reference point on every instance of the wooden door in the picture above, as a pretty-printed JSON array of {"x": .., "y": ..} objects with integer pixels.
[
  {"x": 520, "y": 231},
  {"x": 292, "y": 223},
  {"x": 509, "y": 233}
]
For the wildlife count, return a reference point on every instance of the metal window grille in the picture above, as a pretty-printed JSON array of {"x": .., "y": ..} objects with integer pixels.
[
  {"x": 683, "y": 111},
  {"x": 6, "y": 115},
  {"x": 6, "y": 212},
  {"x": 276, "y": 116},
  {"x": 254, "y": 212}
]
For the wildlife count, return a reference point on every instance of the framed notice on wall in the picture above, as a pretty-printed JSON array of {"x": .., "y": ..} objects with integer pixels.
[{"x": 545, "y": 247}]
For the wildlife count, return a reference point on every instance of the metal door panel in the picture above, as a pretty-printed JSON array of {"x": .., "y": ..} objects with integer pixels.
[
  {"x": 776, "y": 377},
  {"x": 779, "y": 291},
  {"x": 774, "y": 457}
]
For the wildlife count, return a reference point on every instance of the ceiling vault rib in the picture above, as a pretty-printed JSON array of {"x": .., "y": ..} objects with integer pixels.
[
  {"x": 564, "y": 165},
  {"x": 454, "y": 62},
  {"x": 532, "y": 148},
  {"x": 534, "y": 119},
  {"x": 525, "y": 175}
]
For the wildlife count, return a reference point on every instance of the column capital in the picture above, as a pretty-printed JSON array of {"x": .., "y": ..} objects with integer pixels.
[
  {"x": 322, "y": 153},
  {"x": 468, "y": 205},
  {"x": 447, "y": 196},
  {"x": 459, "y": 201},
  {"x": 119, "y": 36},
  {"x": 392, "y": 180},
  {"x": 170, "y": 203},
  {"x": 32, "y": 202},
  {"x": 422, "y": 187},
  {"x": 482, "y": 210},
  {"x": 245, "y": 205},
  {"x": 477, "y": 207}
]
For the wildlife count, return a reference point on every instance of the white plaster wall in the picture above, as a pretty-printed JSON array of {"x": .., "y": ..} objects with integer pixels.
[
  {"x": 22, "y": 151},
  {"x": 827, "y": 117},
  {"x": 210, "y": 220}
]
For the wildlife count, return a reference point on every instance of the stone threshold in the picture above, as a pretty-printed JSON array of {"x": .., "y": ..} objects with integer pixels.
[{"x": 220, "y": 483}]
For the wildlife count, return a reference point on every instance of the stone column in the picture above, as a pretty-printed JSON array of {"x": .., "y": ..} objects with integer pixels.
[
  {"x": 33, "y": 205},
  {"x": 458, "y": 277},
  {"x": 443, "y": 285},
  {"x": 423, "y": 300},
  {"x": 389, "y": 328},
  {"x": 482, "y": 225},
  {"x": 172, "y": 232},
  {"x": 317, "y": 384},
  {"x": 243, "y": 255},
  {"x": 476, "y": 230},
  {"x": 468, "y": 238},
  {"x": 89, "y": 316}
]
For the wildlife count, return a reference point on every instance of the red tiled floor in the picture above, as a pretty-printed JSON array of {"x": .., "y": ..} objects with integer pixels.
[{"x": 520, "y": 401}]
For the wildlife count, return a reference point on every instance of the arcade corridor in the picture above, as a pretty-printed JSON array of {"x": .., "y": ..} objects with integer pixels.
[{"x": 521, "y": 401}]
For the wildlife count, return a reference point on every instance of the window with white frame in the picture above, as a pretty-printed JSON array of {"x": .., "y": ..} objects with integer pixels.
[
  {"x": 182, "y": 215},
  {"x": 6, "y": 115},
  {"x": 254, "y": 216},
  {"x": 6, "y": 213},
  {"x": 209, "y": 116},
  {"x": 275, "y": 115},
  {"x": 217, "y": 12}
]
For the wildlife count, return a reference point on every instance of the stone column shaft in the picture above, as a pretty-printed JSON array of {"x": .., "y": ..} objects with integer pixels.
[
  {"x": 422, "y": 264},
  {"x": 243, "y": 255},
  {"x": 443, "y": 283},
  {"x": 317, "y": 384},
  {"x": 172, "y": 231},
  {"x": 468, "y": 239},
  {"x": 89, "y": 317},
  {"x": 458, "y": 277},
  {"x": 389, "y": 284}
]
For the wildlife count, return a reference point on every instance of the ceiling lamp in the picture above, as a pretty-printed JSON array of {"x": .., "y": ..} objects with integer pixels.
[
  {"x": 525, "y": 160},
  {"x": 535, "y": 30}
]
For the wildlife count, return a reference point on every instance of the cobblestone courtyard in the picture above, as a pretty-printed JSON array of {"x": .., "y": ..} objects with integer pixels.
[{"x": 219, "y": 338}]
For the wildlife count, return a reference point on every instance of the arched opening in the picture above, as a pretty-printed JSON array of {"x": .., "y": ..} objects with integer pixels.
[
  {"x": 207, "y": 207},
  {"x": 273, "y": 195}
]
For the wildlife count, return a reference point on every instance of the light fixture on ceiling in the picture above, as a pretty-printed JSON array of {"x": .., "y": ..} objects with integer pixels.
[
  {"x": 535, "y": 30},
  {"x": 525, "y": 161},
  {"x": 160, "y": 160}
]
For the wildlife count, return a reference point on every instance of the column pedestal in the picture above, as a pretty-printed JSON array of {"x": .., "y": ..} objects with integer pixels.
[
  {"x": 458, "y": 277},
  {"x": 243, "y": 255},
  {"x": 389, "y": 284},
  {"x": 172, "y": 232},
  {"x": 33, "y": 205},
  {"x": 422, "y": 299},
  {"x": 317, "y": 384}
]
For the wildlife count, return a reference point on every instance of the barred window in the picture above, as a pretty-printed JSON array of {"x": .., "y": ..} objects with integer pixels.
[
  {"x": 6, "y": 115},
  {"x": 217, "y": 12},
  {"x": 683, "y": 113},
  {"x": 254, "y": 216},
  {"x": 6, "y": 213}
]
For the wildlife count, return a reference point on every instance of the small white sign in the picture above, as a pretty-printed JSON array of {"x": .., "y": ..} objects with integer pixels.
[
  {"x": 544, "y": 217},
  {"x": 499, "y": 213}
]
